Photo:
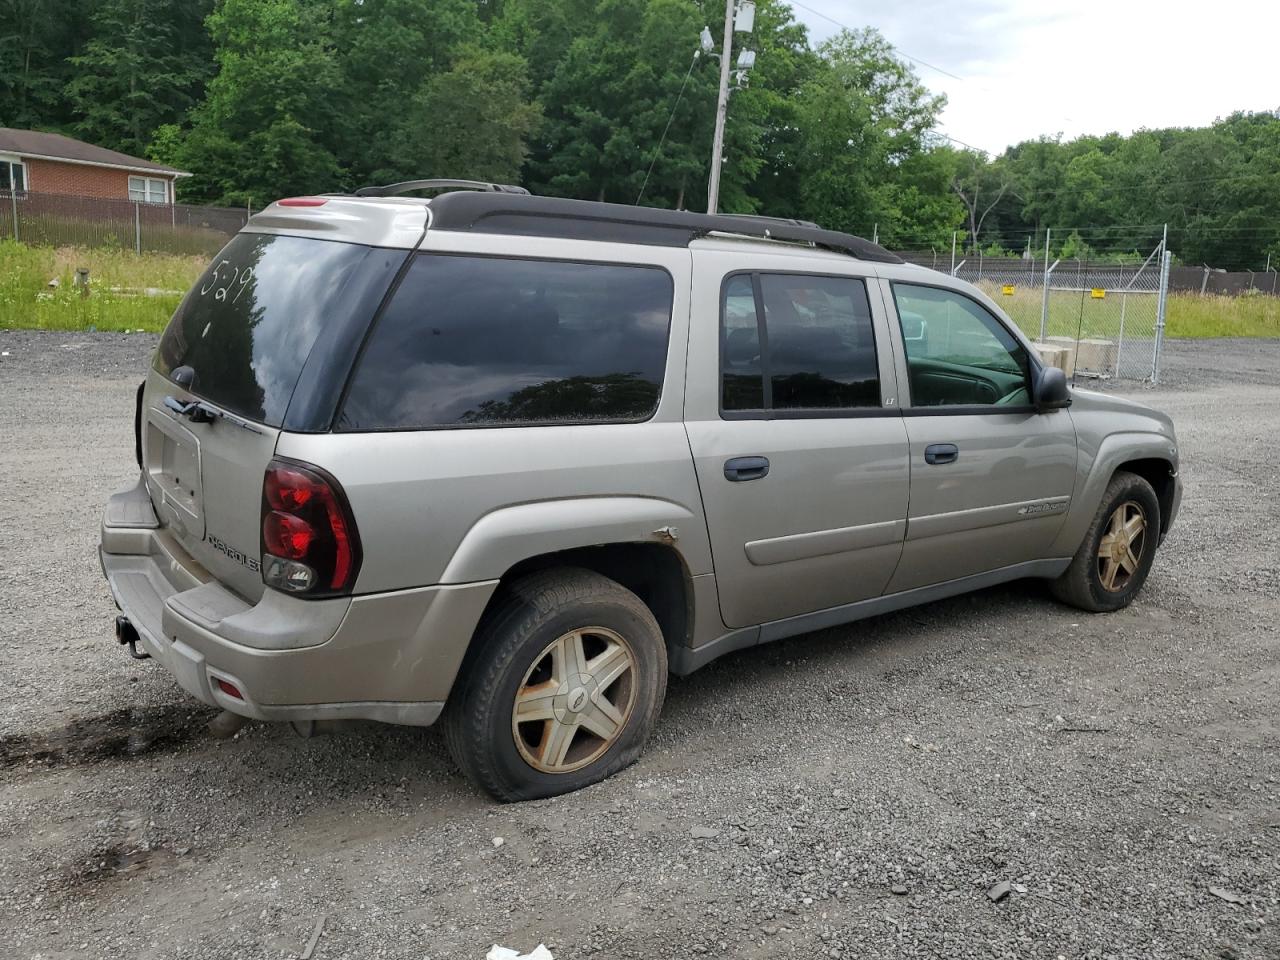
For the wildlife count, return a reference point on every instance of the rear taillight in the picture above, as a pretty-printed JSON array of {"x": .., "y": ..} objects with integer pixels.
[{"x": 309, "y": 540}]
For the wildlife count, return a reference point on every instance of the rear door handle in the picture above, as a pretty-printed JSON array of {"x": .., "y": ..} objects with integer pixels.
[
  {"x": 939, "y": 453},
  {"x": 746, "y": 468}
]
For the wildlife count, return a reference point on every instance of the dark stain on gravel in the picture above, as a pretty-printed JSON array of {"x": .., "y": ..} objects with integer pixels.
[{"x": 119, "y": 734}]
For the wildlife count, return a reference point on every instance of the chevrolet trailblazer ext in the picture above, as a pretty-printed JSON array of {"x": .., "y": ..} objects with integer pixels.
[{"x": 506, "y": 460}]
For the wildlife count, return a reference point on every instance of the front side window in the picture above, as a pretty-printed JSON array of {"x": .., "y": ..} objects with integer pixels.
[
  {"x": 12, "y": 176},
  {"x": 486, "y": 341},
  {"x": 794, "y": 343},
  {"x": 958, "y": 354},
  {"x": 148, "y": 190}
]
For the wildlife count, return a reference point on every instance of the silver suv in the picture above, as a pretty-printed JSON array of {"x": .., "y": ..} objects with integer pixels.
[{"x": 506, "y": 461}]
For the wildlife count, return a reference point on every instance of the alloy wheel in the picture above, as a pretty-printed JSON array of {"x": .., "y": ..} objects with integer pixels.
[{"x": 575, "y": 700}]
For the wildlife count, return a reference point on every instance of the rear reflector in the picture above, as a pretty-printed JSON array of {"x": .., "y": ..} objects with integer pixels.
[
  {"x": 302, "y": 202},
  {"x": 228, "y": 688}
]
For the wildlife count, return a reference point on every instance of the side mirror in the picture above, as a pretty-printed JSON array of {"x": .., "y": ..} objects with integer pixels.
[{"x": 1050, "y": 390}]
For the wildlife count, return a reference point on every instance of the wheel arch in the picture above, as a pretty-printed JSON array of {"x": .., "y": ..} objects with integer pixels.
[
  {"x": 1149, "y": 455},
  {"x": 654, "y": 572},
  {"x": 1161, "y": 474}
]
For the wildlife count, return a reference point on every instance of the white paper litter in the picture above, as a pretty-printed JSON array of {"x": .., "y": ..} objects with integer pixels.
[{"x": 540, "y": 952}]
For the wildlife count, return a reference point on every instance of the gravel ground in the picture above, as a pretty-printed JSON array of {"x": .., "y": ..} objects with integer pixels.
[{"x": 852, "y": 793}]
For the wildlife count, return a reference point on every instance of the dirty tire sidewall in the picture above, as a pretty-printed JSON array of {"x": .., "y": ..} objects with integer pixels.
[
  {"x": 534, "y": 613},
  {"x": 1080, "y": 585}
]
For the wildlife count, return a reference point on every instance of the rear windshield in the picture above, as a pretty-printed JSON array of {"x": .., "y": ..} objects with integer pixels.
[
  {"x": 482, "y": 341},
  {"x": 246, "y": 327}
]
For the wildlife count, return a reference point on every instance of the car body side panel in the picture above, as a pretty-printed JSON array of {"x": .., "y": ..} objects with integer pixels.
[
  {"x": 825, "y": 526},
  {"x": 421, "y": 496},
  {"x": 1001, "y": 502}
]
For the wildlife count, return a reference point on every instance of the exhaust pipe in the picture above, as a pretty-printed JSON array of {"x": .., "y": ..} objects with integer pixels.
[{"x": 127, "y": 635}]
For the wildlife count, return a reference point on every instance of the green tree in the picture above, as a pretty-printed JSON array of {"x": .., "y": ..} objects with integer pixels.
[
  {"x": 145, "y": 65},
  {"x": 473, "y": 121},
  {"x": 387, "y": 52},
  {"x": 863, "y": 156},
  {"x": 271, "y": 119},
  {"x": 36, "y": 38}
]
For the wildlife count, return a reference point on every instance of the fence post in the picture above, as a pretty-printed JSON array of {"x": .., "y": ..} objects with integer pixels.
[
  {"x": 1161, "y": 302},
  {"x": 13, "y": 199},
  {"x": 1204, "y": 282},
  {"x": 137, "y": 227},
  {"x": 953, "y": 253},
  {"x": 1044, "y": 301}
]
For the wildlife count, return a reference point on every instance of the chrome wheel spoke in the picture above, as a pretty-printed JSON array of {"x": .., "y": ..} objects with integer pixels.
[
  {"x": 568, "y": 658},
  {"x": 535, "y": 702},
  {"x": 602, "y": 719},
  {"x": 1109, "y": 570},
  {"x": 556, "y": 740},
  {"x": 1129, "y": 561},
  {"x": 1135, "y": 525},
  {"x": 608, "y": 666}
]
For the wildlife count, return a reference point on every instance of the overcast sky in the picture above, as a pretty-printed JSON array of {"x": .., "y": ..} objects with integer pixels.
[{"x": 1086, "y": 66}]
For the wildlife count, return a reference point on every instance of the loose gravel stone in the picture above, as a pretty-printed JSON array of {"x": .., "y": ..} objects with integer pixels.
[{"x": 127, "y": 830}]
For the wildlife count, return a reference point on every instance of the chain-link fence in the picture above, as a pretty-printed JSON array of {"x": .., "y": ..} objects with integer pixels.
[
  {"x": 1092, "y": 318},
  {"x": 47, "y": 219}
]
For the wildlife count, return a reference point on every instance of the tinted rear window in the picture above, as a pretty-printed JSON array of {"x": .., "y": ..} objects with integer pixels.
[
  {"x": 482, "y": 341},
  {"x": 247, "y": 326}
]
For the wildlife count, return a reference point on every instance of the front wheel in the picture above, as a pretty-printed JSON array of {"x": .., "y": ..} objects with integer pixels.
[
  {"x": 1118, "y": 549},
  {"x": 567, "y": 679}
]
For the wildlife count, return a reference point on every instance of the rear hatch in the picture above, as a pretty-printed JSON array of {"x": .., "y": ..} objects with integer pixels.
[{"x": 262, "y": 342}]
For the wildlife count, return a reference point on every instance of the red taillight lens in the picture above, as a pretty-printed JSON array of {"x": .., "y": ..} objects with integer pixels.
[
  {"x": 309, "y": 540},
  {"x": 302, "y": 202},
  {"x": 288, "y": 488},
  {"x": 286, "y": 535}
]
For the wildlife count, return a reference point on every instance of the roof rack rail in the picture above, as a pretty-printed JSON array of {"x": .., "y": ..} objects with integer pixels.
[
  {"x": 407, "y": 186},
  {"x": 534, "y": 216}
]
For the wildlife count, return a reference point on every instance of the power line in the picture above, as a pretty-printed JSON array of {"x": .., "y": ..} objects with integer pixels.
[
  {"x": 903, "y": 53},
  {"x": 661, "y": 140}
]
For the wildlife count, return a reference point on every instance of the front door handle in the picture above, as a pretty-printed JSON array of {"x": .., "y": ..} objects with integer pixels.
[
  {"x": 939, "y": 453},
  {"x": 746, "y": 468}
]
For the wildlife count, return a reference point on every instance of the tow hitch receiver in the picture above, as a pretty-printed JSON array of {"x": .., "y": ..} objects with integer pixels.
[{"x": 127, "y": 635}]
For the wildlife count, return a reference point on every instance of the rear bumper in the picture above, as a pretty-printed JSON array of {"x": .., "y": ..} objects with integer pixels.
[{"x": 390, "y": 657}]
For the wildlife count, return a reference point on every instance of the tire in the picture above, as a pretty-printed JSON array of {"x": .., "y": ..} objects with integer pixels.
[
  {"x": 537, "y": 642},
  {"x": 1099, "y": 584}
]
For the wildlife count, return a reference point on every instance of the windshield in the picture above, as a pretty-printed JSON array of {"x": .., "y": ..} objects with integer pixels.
[{"x": 246, "y": 328}]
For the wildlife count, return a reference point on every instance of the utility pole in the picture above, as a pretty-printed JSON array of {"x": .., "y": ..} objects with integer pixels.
[{"x": 722, "y": 108}]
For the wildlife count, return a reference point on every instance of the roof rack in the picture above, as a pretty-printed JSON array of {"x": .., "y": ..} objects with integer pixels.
[
  {"x": 532, "y": 216},
  {"x": 408, "y": 186}
]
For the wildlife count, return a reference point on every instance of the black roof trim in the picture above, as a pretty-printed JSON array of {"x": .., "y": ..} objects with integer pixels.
[
  {"x": 532, "y": 216},
  {"x": 408, "y": 186}
]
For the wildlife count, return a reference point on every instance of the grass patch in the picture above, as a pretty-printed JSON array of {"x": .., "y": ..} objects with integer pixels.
[
  {"x": 119, "y": 279},
  {"x": 126, "y": 291},
  {"x": 1189, "y": 314}
]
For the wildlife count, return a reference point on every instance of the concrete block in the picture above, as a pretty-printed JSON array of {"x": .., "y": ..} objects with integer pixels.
[
  {"x": 1069, "y": 361},
  {"x": 1096, "y": 355},
  {"x": 1051, "y": 355}
]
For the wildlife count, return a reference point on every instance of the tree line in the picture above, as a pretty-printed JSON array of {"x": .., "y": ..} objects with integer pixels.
[{"x": 266, "y": 98}]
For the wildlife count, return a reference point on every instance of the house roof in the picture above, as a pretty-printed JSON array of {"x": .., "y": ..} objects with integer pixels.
[{"x": 54, "y": 146}]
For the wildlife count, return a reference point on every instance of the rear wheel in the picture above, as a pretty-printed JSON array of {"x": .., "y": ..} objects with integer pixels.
[
  {"x": 567, "y": 678},
  {"x": 1118, "y": 549}
]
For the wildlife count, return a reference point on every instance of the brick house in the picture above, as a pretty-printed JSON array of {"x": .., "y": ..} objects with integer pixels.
[{"x": 50, "y": 163}]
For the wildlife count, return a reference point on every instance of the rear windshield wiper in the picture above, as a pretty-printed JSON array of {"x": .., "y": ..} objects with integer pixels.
[{"x": 193, "y": 410}]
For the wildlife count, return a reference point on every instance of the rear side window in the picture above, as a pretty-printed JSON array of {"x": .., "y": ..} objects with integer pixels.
[
  {"x": 484, "y": 341},
  {"x": 796, "y": 343},
  {"x": 246, "y": 328}
]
